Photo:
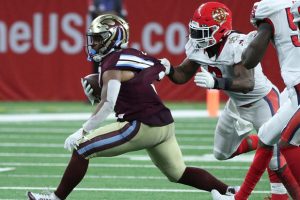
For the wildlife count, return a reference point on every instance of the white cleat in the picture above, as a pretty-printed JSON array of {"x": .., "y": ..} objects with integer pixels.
[
  {"x": 39, "y": 196},
  {"x": 217, "y": 196}
]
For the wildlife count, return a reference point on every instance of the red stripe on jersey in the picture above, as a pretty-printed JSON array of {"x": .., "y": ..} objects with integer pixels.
[
  {"x": 297, "y": 88},
  {"x": 274, "y": 97},
  {"x": 291, "y": 128},
  {"x": 273, "y": 100}
]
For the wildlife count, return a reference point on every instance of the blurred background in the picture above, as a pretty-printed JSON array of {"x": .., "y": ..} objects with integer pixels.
[{"x": 42, "y": 44}]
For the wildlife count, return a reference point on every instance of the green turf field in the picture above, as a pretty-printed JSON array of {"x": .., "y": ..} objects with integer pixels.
[{"x": 35, "y": 151}]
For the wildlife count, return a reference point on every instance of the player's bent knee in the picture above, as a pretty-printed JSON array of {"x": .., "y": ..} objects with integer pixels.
[
  {"x": 80, "y": 156},
  {"x": 172, "y": 179},
  {"x": 283, "y": 144},
  {"x": 174, "y": 174}
]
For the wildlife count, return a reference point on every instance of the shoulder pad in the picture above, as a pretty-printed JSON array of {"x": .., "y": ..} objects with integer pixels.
[
  {"x": 234, "y": 38},
  {"x": 133, "y": 61},
  {"x": 265, "y": 8}
]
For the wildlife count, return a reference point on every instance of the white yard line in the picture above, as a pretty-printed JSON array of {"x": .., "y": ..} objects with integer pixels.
[
  {"x": 36, "y": 145},
  {"x": 47, "y": 137},
  {"x": 188, "y": 158},
  {"x": 86, "y": 177},
  {"x": 85, "y": 116},
  {"x": 11, "y": 199},
  {"x": 36, "y": 130},
  {"x": 59, "y": 145},
  {"x": 36, "y": 164},
  {"x": 43, "y": 176},
  {"x": 47, "y": 130},
  {"x": 45, "y": 117},
  {"x": 6, "y": 169},
  {"x": 35, "y": 155},
  {"x": 119, "y": 189}
]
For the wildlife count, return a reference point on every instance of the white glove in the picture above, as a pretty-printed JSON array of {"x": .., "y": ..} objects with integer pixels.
[
  {"x": 204, "y": 79},
  {"x": 252, "y": 19},
  {"x": 161, "y": 75},
  {"x": 88, "y": 91},
  {"x": 166, "y": 63},
  {"x": 72, "y": 141}
]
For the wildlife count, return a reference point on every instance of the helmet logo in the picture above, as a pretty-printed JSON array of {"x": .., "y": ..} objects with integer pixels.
[
  {"x": 108, "y": 22},
  {"x": 219, "y": 15}
]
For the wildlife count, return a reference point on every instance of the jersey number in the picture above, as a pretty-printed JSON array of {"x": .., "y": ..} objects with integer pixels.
[
  {"x": 293, "y": 27},
  {"x": 214, "y": 70}
]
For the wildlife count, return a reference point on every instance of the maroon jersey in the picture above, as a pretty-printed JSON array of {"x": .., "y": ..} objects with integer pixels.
[{"x": 137, "y": 99}]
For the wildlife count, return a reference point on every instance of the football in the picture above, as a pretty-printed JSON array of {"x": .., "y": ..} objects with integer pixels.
[{"x": 93, "y": 80}]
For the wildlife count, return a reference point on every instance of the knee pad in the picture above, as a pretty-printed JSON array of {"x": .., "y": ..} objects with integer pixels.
[
  {"x": 273, "y": 165},
  {"x": 277, "y": 163}
]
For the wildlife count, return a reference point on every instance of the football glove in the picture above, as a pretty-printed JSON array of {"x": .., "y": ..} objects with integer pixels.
[
  {"x": 88, "y": 91},
  {"x": 204, "y": 79},
  {"x": 166, "y": 63},
  {"x": 252, "y": 19},
  {"x": 72, "y": 141}
]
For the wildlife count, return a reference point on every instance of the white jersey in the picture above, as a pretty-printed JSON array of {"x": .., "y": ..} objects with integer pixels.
[
  {"x": 222, "y": 66},
  {"x": 287, "y": 44}
]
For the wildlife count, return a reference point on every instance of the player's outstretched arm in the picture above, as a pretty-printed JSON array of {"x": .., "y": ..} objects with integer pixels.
[
  {"x": 182, "y": 73},
  {"x": 255, "y": 51},
  {"x": 242, "y": 81}
]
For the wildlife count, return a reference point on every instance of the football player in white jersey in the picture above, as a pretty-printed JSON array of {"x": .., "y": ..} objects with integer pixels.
[
  {"x": 274, "y": 21},
  {"x": 215, "y": 47}
]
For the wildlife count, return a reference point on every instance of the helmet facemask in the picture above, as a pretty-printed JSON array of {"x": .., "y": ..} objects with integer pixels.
[
  {"x": 202, "y": 37},
  {"x": 97, "y": 41}
]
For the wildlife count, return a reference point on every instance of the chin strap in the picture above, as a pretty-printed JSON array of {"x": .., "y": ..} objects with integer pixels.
[{"x": 93, "y": 56}]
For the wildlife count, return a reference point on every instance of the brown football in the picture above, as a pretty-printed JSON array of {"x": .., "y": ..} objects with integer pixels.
[{"x": 93, "y": 80}]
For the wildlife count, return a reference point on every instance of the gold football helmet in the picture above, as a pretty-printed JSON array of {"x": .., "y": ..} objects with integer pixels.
[{"x": 106, "y": 33}]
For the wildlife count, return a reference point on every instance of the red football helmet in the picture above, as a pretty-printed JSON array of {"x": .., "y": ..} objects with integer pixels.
[{"x": 210, "y": 23}]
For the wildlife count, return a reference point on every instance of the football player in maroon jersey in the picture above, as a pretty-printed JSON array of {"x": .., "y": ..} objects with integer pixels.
[{"x": 143, "y": 121}]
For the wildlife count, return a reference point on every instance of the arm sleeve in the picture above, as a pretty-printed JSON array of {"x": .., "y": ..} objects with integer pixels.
[{"x": 94, "y": 121}]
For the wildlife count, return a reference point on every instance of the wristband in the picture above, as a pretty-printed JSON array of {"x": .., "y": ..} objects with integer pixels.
[{"x": 222, "y": 83}]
